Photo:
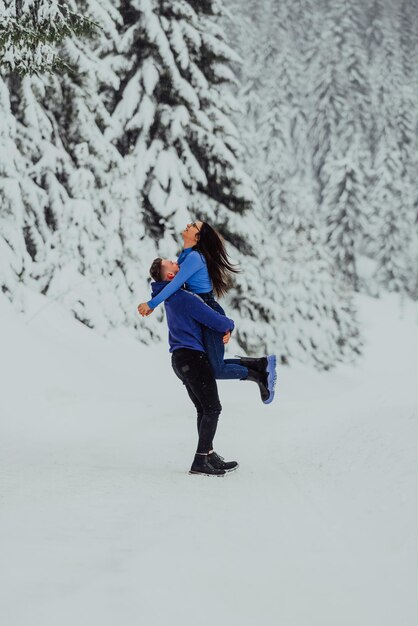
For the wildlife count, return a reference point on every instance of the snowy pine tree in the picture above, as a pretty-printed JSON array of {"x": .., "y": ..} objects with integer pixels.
[
  {"x": 172, "y": 123},
  {"x": 172, "y": 113},
  {"x": 14, "y": 256},
  {"x": 391, "y": 196},
  {"x": 317, "y": 321},
  {"x": 408, "y": 126},
  {"x": 83, "y": 223},
  {"x": 341, "y": 157}
]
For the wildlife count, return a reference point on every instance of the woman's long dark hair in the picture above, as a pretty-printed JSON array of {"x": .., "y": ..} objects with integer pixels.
[{"x": 220, "y": 268}]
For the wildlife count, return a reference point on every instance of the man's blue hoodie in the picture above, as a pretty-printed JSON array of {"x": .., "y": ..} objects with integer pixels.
[{"x": 186, "y": 313}]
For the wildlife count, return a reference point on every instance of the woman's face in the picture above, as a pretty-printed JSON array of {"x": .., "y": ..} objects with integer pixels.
[{"x": 191, "y": 233}]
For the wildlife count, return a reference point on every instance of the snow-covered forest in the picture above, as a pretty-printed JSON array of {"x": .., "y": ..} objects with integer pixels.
[
  {"x": 289, "y": 125},
  {"x": 292, "y": 127}
]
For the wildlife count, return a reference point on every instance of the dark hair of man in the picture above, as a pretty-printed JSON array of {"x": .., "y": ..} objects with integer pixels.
[
  {"x": 155, "y": 270},
  {"x": 220, "y": 268}
]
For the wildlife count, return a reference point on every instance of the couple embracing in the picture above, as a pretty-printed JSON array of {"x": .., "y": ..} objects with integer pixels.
[{"x": 198, "y": 331}]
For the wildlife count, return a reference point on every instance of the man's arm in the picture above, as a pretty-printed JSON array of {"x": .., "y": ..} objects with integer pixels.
[{"x": 203, "y": 314}]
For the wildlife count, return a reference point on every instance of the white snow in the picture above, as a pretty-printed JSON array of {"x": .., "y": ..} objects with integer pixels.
[{"x": 101, "y": 524}]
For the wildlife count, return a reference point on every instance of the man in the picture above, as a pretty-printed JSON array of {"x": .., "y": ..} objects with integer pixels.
[{"x": 186, "y": 313}]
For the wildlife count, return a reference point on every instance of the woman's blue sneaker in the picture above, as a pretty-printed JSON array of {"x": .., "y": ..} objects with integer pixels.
[{"x": 263, "y": 372}]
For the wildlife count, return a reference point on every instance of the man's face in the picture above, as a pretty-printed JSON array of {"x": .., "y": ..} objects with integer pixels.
[{"x": 168, "y": 269}]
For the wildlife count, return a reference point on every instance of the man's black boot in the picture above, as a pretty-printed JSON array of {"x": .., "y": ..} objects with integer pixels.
[
  {"x": 203, "y": 465},
  {"x": 220, "y": 463},
  {"x": 263, "y": 372}
]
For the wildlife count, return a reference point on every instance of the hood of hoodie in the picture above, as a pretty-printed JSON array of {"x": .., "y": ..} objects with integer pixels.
[{"x": 158, "y": 286}]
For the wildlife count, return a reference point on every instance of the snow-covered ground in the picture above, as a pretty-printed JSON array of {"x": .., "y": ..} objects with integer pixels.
[{"x": 101, "y": 524}]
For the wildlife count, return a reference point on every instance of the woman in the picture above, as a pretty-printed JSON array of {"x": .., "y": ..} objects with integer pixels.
[{"x": 205, "y": 268}]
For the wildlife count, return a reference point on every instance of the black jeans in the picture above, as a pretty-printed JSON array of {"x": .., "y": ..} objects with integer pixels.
[{"x": 195, "y": 372}]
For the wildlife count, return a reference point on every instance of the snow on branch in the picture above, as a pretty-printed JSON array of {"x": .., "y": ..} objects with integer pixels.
[{"x": 30, "y": 30}]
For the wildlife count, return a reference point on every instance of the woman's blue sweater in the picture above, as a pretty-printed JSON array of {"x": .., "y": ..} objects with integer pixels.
[{"x": 193, "y": 272}]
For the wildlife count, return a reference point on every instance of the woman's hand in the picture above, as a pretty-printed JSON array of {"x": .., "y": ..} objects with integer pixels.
[
  {"x": 227, "y": 337},
  {"x": 144, "y": 309}
]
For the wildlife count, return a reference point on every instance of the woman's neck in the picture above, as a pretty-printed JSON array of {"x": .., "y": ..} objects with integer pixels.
[{"x": 186, "y": 246}]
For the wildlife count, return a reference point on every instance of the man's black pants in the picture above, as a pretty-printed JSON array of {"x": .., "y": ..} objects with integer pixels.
[{"x": 195, "y": 372}]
